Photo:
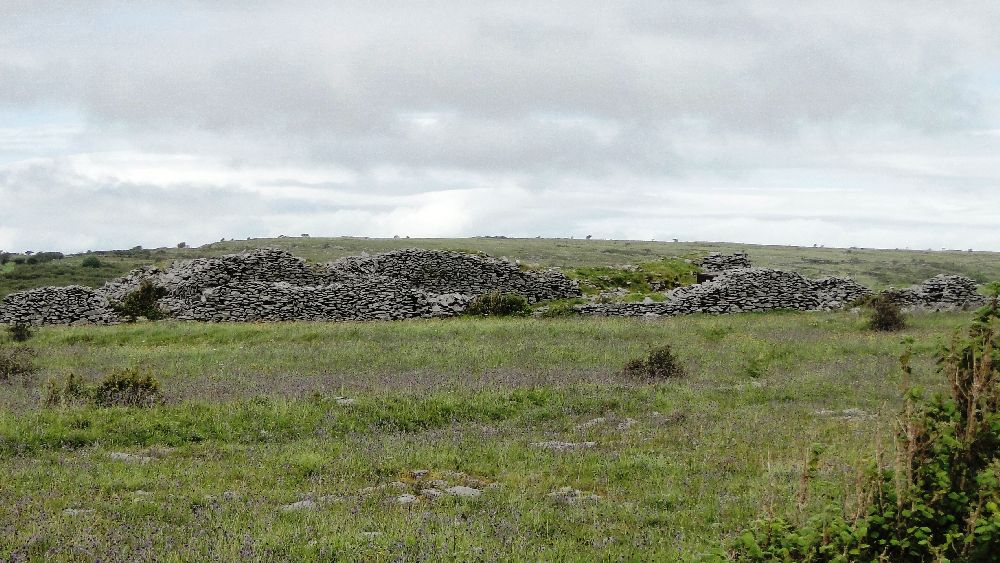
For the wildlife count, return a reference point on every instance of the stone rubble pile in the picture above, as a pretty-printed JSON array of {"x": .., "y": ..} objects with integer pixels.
[
  {"x": 273, "y": 285},
  {"x": 942, "y": 292},
  {"x": 717, "y": 262},
  {"x": 742, "y": 290},
  {"x": 761, "y": 289},
  {"x": 444, "y": 272}
]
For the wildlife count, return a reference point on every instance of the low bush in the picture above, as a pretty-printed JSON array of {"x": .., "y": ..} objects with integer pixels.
[
  {"x": 19, "y": 332},
  {"x": 659, "y": 363},
  {"x": 91, "y": 262},
  {"x": 16, "y": 362},
  {"x": 498, "y": 304},
  {"x": 939, "y": 497},
  {"x": 142, "y": 303},
  {"x": 130, "y": 387},
  {"x": 886, "y": 314}
]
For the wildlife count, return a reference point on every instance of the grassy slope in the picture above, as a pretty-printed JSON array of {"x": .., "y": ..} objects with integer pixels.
[
  {"x": 704, "y": 456},
  {"x": 875, "y": 268}
]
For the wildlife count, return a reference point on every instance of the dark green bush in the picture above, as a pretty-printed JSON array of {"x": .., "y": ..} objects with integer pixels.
[
  {"x": 886, "y": 314},
  {"x": 940, "y": 498},
  {"x": 16, "y": 362},
  {"x": 19, "y": 332},
  {"x": 128, "y": 388},
  {"x": 659, "y": 363},
  {"x": 498, "y": 304},
  {"x": 91, "y": 262},
  {"x": 141, "y": 303}
]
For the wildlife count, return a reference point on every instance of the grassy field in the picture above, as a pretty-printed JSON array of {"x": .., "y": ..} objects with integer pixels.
[
  {"x": 874, "y": 268},
  {"x": 252, "y": 425}
]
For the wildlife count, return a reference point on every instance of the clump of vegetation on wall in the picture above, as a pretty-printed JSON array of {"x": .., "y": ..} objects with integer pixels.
[
  {"x": 498, "y": 304},
  {"x": 648, "y": 277},
  {"x": 141, "y": 303}
]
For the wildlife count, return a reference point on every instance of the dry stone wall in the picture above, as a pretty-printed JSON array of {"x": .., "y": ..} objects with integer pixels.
[
  {"x": 717, "y": 262},
  {"x": 70, "y": 305},
  {"x": 273, "y": 285},
  {"x": 743, "y": 289},
  {"x": 439, "y": 271}
]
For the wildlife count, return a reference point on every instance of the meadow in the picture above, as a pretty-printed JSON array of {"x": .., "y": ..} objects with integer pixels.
[
  {"x": 295, "y": 440},
  {"x": 318, "y": 441}
]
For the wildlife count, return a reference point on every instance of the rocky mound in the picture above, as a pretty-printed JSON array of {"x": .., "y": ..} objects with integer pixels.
[
  {"x": 741, "y": 290},
  {"x": 942, "y": 292},
  {"x": 188, "y": 278}
]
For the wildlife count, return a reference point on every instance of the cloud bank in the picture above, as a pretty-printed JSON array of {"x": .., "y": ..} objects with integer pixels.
[{"x": 151, "y": 122}]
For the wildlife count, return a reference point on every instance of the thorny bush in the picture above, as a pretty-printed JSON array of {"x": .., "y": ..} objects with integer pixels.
[{"x": 939, "y": 499}]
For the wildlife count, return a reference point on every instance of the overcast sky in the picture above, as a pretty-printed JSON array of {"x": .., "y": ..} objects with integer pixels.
[{"x": 145, "y": 122}]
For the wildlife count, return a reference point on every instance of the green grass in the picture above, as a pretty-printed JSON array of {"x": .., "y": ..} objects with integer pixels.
[
  {"x": 251, "y": 425},
  {"x": 874, "y": 268}
]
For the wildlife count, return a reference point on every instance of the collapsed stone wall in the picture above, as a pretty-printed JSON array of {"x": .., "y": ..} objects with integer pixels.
[
  {"x": 188, "y": 278},
  {"x": 942, "y": 292},
  {"x": 273, "y": 285},
  {"x": 761, "y": 289},
  {"x": 743, "y": 290}
]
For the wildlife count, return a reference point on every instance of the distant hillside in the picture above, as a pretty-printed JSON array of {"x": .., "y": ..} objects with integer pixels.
[{"x": 874, "y": 268}]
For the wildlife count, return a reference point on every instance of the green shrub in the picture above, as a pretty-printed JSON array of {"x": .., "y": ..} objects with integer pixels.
[
  {"x": 886, "y": 315},
  {"x": 69, "y": 392},
  {"x": 940, "y": 499},
  {"x": 91, "y": 262},
  {"x": 19, "y": 332},
  {"x": 659, "y": 363},
  {"x": 16, "y": 362},
  {"x": 498, "y": 304},
  {"x": 128, "y": 388},
  {"x": 141, "y": 303}
]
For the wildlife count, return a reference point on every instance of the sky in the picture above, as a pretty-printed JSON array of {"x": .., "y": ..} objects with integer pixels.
[{"x": 871, "y": 123}]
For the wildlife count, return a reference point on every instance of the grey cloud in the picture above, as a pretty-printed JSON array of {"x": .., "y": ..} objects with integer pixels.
[{"x": 642, "y": 100}]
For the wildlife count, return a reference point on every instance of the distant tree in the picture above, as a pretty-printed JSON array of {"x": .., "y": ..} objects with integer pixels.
[
  {"x": 182, "y": 245},
  {"x": 589, "y": 237},
  {"x": 304, "y": 235}
]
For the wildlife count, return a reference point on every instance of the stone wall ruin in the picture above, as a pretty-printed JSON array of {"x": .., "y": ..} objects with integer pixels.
[{"x": 273, "y": 285}]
